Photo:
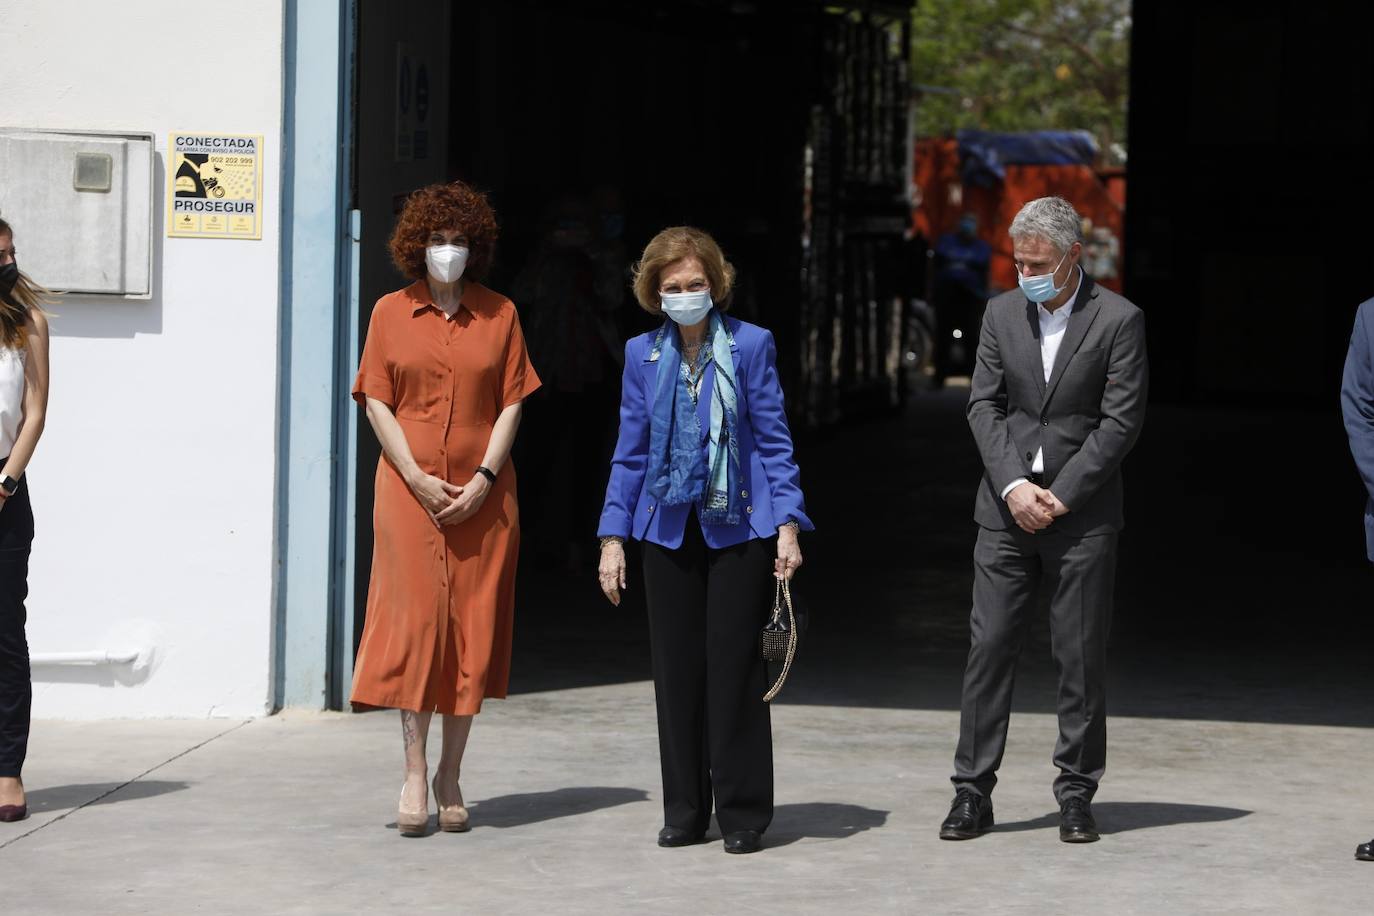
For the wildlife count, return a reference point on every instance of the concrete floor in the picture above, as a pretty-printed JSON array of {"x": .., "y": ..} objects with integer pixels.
[{"x": 294, "y": 814}]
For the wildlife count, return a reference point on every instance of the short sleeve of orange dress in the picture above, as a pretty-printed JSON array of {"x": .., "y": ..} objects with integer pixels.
[
  {"x": 520, "y": 380},
  {"x": 374, "y": 379},
  {"x": 440, "y": 603}
]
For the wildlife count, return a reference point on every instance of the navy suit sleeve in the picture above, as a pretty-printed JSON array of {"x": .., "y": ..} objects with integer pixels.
[
  {"x": 631, "y": 457},
  {"x": 772, "y": 438},
  {"x": 1357, "y": 395}
]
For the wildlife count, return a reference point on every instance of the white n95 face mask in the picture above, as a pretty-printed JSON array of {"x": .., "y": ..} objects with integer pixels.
[
  {"x": 446, "y": 262},
  {"x": 687, "y": 309}
]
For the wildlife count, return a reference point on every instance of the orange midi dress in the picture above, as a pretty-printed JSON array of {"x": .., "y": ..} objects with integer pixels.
[{"x": 440, "y": 604}]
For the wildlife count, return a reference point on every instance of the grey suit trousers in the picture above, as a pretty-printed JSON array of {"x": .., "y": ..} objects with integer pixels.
[{"x": 1010, "y": 567}]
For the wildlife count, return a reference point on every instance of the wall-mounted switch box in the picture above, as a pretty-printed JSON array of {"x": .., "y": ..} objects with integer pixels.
[{"x": 81, "y": 205}]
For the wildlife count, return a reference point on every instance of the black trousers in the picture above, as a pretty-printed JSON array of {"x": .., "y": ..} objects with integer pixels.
[
  {"x": 1009, "y": 569},
  {"x": 16, "y": 688},
  {"x": 706, "y": 608}
]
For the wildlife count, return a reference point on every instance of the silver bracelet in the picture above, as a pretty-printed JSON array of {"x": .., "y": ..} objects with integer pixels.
[{"x": 793, "y": 524}]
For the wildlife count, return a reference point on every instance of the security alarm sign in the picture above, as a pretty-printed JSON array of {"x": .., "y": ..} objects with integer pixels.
[{"x": 215, "y": 186}]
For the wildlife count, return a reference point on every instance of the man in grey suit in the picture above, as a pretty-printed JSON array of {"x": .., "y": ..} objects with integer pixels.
[
  {"x": 1357, "y": 407},
  {"x": 1058, "y": 399}
]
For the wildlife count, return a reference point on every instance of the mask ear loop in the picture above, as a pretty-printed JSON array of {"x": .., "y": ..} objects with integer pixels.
[
  {"x": 1057, "y": 288},
  {"x": 1071, "y": 265}
]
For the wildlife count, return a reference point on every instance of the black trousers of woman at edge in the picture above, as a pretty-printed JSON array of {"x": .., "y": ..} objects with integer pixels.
[
  {"x": 706, "y": 608},
  {"x": 16, "y": 688}
]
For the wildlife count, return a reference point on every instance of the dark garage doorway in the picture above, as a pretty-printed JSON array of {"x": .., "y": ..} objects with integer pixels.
[{"x": 1243, "y": 589}]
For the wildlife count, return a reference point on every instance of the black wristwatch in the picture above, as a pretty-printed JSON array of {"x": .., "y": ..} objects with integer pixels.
[
  {"x": 9, "y": 485},
  {"x": 486, "y": 472}
]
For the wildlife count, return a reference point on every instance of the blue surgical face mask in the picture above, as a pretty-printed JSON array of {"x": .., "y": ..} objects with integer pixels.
[
  {"x": 1042, "y": 288},
  {"x": 687, "y": 309}
]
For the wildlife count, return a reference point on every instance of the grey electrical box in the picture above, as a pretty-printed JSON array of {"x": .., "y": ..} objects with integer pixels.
[{"x": 82, "y": 209}]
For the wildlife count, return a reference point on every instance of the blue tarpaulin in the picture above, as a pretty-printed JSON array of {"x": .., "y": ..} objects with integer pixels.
[{"x": 984, "y": 155}]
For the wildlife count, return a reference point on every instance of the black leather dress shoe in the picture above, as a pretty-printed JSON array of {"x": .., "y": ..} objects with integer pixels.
[
  {"x": 1365, "y": 852},
  {"x": 1076, "y": 824},
  {"x": 743, "y": 841},
  {"x": 970, "y": 816},
  {"x": 678, "y": 836}
]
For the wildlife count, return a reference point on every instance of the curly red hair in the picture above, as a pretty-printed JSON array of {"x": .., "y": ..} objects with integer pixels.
[{"x": 455, "y": 205}]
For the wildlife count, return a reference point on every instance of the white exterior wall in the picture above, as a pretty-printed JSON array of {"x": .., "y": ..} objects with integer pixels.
[{"x": 153, "y": 486}]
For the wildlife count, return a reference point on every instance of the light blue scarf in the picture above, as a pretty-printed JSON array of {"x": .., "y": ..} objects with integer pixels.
[{"x": 678, "y": 472}]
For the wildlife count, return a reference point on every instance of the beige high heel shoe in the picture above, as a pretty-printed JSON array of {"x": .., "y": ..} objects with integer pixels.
[
  {"x": 452, "y": 818},
  {"x": 412, "y": 823}
]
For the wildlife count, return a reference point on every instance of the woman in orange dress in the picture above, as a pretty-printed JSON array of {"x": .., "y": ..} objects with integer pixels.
[{"x": 444, "y": 372}]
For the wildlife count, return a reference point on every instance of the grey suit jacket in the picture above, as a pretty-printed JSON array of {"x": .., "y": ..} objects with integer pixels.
[{"x": 1086, "y": 418}]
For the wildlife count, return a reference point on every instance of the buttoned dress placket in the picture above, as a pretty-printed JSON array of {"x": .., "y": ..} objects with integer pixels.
[{"x": 449, "y": 337}]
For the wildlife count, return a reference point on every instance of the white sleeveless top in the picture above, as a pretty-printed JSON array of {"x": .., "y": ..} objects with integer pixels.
[{"x": 11, "y": 396}]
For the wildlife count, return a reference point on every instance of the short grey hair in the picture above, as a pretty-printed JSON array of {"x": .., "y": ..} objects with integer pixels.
[{"x": 1051, "y": 218}]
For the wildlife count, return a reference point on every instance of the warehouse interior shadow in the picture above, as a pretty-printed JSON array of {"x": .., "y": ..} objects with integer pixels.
[
  {"x": 780, "y": 127},
  {"x": 1217, "y": 617},
  {"x": 1243, "y": 593}
]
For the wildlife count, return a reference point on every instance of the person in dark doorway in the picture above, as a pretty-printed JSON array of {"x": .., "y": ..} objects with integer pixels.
[
  {"x": 1057, "y": 402},
  {"x": 23, "y": 411},
  {"x": 443, "y": 376},
  {"x": 1357, "y": 407},
  {"x": 703, "y": 475},
  {"x": 610, "y": 255},
  {"x": 960, "y": 289},
  {"x": 570, "y": 325}
]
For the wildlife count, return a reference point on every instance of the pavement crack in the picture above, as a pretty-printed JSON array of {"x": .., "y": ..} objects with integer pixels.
[{"x": 125, "y": 784}]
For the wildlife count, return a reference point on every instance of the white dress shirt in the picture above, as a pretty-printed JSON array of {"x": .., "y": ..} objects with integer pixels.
[{"x": 1052, "y": 327}]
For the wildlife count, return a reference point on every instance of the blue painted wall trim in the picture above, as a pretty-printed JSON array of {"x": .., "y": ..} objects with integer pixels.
[{"x": 315, "y": 299}]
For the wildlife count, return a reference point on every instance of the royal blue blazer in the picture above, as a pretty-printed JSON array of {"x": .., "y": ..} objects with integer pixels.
[
  {"x": 770, "y": 482},
  {"x": 1357, "y": 407}
]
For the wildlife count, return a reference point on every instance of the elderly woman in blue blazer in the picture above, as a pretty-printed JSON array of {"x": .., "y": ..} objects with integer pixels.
[{"x": 703, "y": 475}]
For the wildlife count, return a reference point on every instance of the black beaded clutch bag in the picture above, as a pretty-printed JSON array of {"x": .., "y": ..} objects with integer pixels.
[{"x": 778, "y": 639}]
